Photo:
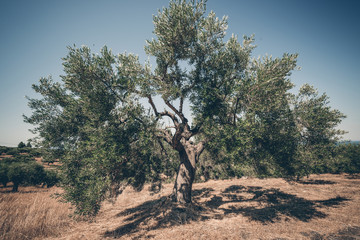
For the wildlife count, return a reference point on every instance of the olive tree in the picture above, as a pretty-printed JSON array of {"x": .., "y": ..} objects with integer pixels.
[{"x": 204, "y": 90}]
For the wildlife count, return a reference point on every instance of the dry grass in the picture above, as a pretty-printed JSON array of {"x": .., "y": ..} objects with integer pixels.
[
  {"x": 32, "y": 213},
  {"x": 322, "y": 207}
]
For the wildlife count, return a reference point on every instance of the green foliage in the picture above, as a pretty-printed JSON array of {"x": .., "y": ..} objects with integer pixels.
[
  {"x": 317, "y": 134},
  {"x": 51, "y": 178},
  {"x": 24, "y": 170},
  {"x": 348, "y": 158},
  {"x": 35, "y": 152},
  {"x": 21, "y": 145},
  {"x": 23, "y": 158},
  {"x": 260, "y": 130},
  {"x": 93, "y": 124},
  {"x": 104, "y": 165},
  {"x": 29, "y": 173},
  {"x": 4, "y": 150},
  {"x": 13, "y": 151},
  {"x": 4, "y": 179}
]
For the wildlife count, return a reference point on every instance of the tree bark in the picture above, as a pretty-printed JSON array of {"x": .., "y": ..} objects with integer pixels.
[
  {"x": 189, "y": 152},
  {"x": 186, "y": 174}
]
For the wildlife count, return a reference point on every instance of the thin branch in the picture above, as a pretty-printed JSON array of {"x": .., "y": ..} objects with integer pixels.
[
  {"x": 163, "y": 150},
  {"x": 170, "y": 115},
  {"x": 180, "y": 114},
  {"x": 181, "y": 104},
  {"x": 189, "y": 87},
  {"x": 152, "y": 105},
  {"x": 107, "y": 85},
  {"x": 235, "y": 110},
  {"x": 165, "y": 135},
  {"x": 200, "y": 147}
]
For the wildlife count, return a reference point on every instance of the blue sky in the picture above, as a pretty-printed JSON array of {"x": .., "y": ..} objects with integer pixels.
[{"x": 34, "y": 35}]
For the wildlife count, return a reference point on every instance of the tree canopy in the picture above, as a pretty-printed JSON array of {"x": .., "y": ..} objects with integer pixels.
[{"x": 95, "y": 121}]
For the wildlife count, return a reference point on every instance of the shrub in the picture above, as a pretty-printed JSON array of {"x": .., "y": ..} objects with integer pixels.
[
  {"x": 4, "y": 179},
  {"x": 12, "y": 151},
  {"x": 51, "y": 178},
  {"x": 349, "y": 158},
  {"x": 21, "y": 145},
  {"x": 30, "y": 173}
]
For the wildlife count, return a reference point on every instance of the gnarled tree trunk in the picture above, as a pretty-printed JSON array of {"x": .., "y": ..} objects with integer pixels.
[
  {"x": 189, "y": 152},
  {"x": 189, "y": 155}
]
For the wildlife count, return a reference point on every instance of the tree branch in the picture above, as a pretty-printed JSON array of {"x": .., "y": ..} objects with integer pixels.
[
  {"x": 181, "y": 104},
  {"x": 200, "y": 147},
  {"x": 180, "y": 114},
  {"x": 165, "y": 135},
  {"x": 152, "y": 105},
  {"x": 235, "y": 110},
  {"x": 170, "y": 115}
]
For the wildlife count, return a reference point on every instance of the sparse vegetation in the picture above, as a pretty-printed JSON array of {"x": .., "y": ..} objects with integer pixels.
[
  {"x": 32, "y": 213},
  {"x": 22, "y": 169},
  {"x": 319, "y": 207}
]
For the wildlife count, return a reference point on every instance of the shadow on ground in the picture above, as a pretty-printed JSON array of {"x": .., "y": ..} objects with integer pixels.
[
  {"x": 255, "y": 203},
  {"x": 353, "y": 176},
  {"x": 348, "y": 233},
  {"x": 8, "y": 190},
  {"x": 316, "y": 182}
]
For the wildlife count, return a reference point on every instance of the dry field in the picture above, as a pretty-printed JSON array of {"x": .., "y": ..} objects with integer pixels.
[
  {"x": 32, "y": 213},
  {"x": 321, "y": 207}
]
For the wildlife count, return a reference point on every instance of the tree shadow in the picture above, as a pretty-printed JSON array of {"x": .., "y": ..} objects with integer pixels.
[
  {"x": 353, "y": 176},
  {"x": 347, "y": 233},
  {"x": 22, "y": 189},
  {"x": 255, "y": 203},
  {"x": 10, "y": 191},
  {"x": 273, "y": 204},
  {"x": 316, "y": 182}
]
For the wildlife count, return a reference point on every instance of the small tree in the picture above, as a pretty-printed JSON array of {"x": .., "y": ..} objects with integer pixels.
[
  {"x": 348, "y": 158},
  {"x": 21, "y": 145},
  {"x": 4, "y": 150},
  {"x": 20, "y": 173},
  {"x": 13, "y": 151},
  {"x": 51, "y": 178},
  {"x": 17, "y": 174},
  {"x": 4, "y": 179}
]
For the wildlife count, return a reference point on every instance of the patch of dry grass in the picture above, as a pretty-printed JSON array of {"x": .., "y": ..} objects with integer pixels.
[
  {"x": 32, "y": 213},
  {"x": 321, "y": 207}
]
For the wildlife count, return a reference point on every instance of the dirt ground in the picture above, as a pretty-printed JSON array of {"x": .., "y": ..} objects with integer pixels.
[{"x": 320, "y": 207}]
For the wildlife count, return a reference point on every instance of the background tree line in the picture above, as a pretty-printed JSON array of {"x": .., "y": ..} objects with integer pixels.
[
  {"x": 22, "y": 170},
  {"x": 343, "y": 158}
]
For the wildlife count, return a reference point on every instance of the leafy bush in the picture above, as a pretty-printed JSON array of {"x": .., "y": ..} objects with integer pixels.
[
  {"x": 4, "y": 150},
  {"x": 35, "y": 152},
  {"x": 348, "y": 158},
  {"x": 51, "y": 178},
  {"x": 12, "y": 151},
  {"x": 4, "y": 179},
  {"x": 27, "y": 173},
  {"x": 21, "y": 145}
]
